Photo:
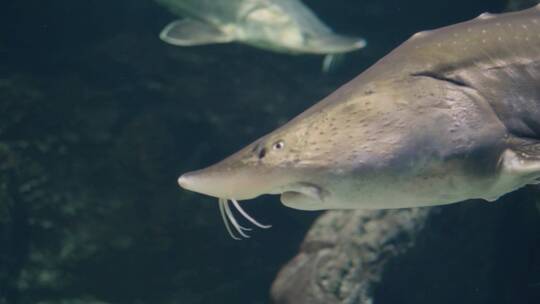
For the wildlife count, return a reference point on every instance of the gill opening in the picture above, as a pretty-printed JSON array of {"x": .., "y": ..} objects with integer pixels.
[{"x": 228, "y": 219}]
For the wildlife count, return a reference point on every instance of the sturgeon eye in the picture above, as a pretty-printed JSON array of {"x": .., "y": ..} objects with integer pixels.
[{"x": 278, "y": 145}]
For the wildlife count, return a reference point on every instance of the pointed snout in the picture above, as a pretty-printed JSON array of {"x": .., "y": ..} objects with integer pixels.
[
  {"x": 360, "y": 43},
  {"x": 220, "y": 182},
  {"x": 195, "y": 181},
  {"x": 184, "y": 181},
  {"x": 338, "y": 43}
]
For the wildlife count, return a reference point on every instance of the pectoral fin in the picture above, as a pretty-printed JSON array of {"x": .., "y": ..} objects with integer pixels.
[
  {"x": 521, "y": 166},
  {"x": 518, "y": 166},
  {"x": 189, "y": 32},
  {"x": 523, "y": 160}
]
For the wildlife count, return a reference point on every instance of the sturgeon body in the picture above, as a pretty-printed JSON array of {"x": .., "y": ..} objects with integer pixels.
[{"x": 452, "y": 114}]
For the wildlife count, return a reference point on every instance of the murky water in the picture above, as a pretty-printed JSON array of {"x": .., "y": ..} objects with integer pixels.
[{"x": 98, "y": 117}]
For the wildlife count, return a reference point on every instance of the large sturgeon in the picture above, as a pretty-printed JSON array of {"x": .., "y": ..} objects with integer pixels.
[
  {"x": 285, "y": 26},
  {"x": 450, "y": 115}
]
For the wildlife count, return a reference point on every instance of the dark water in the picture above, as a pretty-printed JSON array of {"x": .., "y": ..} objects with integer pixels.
[{"x": 98, "y": 118}]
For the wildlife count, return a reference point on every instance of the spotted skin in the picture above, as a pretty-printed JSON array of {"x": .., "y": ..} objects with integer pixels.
[{"x": 452, "y": 114}]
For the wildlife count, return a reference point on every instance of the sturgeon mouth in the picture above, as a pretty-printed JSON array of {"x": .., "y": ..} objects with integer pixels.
[{"x": 301, "y": 196}]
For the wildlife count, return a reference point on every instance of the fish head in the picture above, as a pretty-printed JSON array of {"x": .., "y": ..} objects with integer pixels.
[
  {"x": 365, "y": 146},
  {"x": 330, "y": 43},
  {"x": 305, "y": 160},
  {"x": 296, "y": 30},
  {"x": 266, "y": 166},
  {"x": 291, "y": 38}
]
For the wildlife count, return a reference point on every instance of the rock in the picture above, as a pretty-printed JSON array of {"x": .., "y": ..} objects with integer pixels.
[{"x": 344, "y": 254}]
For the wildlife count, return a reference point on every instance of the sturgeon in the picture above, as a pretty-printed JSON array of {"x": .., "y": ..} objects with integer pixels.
[
  {"x": 452, "y": 114},
  {"x": 285, "y": 26}
]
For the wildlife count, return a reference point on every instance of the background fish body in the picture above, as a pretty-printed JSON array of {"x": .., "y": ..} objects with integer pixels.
[{"x": 285, "y": 26}]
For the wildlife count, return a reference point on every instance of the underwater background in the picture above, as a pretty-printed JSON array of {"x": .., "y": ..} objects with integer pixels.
[{"x": 99, "y": 117}]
